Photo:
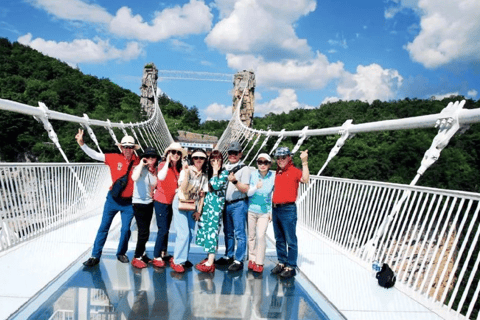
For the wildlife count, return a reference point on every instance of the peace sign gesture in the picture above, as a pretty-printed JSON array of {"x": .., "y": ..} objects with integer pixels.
[{"x": 79, "y": 137}]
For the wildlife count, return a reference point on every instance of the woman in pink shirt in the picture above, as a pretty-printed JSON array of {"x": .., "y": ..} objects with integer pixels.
[{"x": 168, "y": 173}]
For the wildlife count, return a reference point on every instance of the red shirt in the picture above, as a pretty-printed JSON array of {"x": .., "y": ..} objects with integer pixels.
[
  {"x": 286, "y": 184},
  {"x": 165, "y": 190},
  {"x": 118, "y": 167}
]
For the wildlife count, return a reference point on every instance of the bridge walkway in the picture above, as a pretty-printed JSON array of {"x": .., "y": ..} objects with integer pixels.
[{"x": 44, "y": 279}]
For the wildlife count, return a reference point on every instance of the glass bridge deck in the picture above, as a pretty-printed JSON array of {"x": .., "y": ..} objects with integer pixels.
[{"x": 113, "y": 290}]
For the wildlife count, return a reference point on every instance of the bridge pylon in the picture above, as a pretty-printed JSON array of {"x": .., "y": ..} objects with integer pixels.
[
  {"x": 244, "y": 85},
  {"x": 149, "y": 81}
]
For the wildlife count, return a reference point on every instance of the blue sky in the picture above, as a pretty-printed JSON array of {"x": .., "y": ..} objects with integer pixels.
[{"x": 304, "y": 52}]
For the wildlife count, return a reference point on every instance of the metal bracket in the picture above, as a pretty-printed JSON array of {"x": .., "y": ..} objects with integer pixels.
[
  {"x": 277, "y": 143},
  {"x": 447, "y": 124},
  {"x": 86, "y": 125},
  {"x": 303, "y": 136}
]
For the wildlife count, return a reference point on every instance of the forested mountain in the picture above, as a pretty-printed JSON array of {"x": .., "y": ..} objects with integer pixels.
[{"x": 27, "y": 76}]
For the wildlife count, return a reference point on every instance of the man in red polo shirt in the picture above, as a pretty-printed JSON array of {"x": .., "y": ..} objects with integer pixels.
[
  {"x": 118, "y": 164},
  {"x": 284, "y": 217}
]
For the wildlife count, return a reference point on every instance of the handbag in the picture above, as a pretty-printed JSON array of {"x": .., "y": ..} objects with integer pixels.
[
  {"x": 120, "y": 184},
  {"x": 187, "y": 205},
  {"x": 187, "y": 201}
]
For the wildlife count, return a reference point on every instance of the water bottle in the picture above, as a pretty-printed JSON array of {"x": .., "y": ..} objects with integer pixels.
[{"x": 376, "y": 266}]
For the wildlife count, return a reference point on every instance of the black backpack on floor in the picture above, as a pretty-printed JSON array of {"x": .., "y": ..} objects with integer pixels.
[{"x": 386, "y": 277}]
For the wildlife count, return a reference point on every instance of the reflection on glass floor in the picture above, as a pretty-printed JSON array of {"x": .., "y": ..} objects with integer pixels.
[{"x": 113, "y": 290}]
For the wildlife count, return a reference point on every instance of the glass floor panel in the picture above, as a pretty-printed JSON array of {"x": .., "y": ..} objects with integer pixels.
[{"x": 113, "y": 290}]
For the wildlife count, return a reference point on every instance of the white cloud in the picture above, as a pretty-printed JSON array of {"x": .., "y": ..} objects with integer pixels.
[
  {"x": 193, "y": 18},
  {"x": 73, "y": 10},
  {"x": 370, "y": 83},
  {"x": 401, "y": 6},
  {"x": 445, "y": 95},
  {"x": 330, "y": 100},
  {"x": 181, "y": 46},
  {"x": 339, "y": 41},
  {"x": 449, "y": 31},
  {"x": 472, "y": 93},
  {"x": 312, "y": 73},
  {"x": 217, "y": 111},
  {"x": 224, "y": 7},
  {"x": 265, "y": 26},
  {"x": 286, "y": 101},
  {"x": 82, "y": 50}
]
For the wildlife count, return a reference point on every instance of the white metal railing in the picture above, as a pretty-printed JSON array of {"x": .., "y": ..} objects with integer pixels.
[
  {"x": 152, "y": 132},
  {"x": 38, "y": 197},
  {"x": 432, "y": 245}
]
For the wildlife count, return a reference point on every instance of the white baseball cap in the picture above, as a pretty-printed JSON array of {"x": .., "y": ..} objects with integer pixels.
[{"x": 264, "y": 156}]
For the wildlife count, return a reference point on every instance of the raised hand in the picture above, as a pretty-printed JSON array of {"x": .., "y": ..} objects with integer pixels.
[
  {"x": 185, "y": 166},
  {"x": 79, "y": 137},
  {"x": 304, "y": 156},
  {"x": 259, "y": 184},
  {"x": 215, "y": 166}
]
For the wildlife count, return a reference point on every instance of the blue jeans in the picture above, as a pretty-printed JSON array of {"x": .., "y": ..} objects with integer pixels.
[
  {"x": 234, "y": 228},
  {"x": 163, "y": 214},
  {"x": 184, "y": 227},
  {"x": 284, "y": 220},
  {"x": 110, "y": 209}
]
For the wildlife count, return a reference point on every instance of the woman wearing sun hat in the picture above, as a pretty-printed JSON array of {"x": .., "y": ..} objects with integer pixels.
[
  {"x": 145, "y": 180},
  {"x": 192, "y": 185},
  {"x": 168, "y": 174}
]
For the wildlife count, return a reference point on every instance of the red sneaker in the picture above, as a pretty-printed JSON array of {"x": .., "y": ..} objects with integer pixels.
[
  {"x": 258, "y": 268},
  {"x": 204, "y": 268},
  {"x": 176, "y": 267},
  {"x": 251, "y": 264},
  {"x": 158, "y": 262},
  {"x": 137, "y": 263}
]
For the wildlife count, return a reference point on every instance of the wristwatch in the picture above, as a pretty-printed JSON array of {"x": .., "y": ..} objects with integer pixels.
[{"x": 235, "y": 182}]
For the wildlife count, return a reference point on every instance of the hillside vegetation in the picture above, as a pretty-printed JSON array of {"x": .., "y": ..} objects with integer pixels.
[{"x": 27, "y": 76}]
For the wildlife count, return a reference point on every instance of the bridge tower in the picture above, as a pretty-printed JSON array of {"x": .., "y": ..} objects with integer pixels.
[
  {"x": 149, "y": 81},
  {"x": 242, "y": 80}
]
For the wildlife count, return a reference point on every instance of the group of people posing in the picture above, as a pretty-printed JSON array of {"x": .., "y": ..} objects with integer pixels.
[{"x": 205, "y": 192}]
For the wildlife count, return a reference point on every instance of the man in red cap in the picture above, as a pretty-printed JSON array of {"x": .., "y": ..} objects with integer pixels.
[{"x": 119, "y": 165}]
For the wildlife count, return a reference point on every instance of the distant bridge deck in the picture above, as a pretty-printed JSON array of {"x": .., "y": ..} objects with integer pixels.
[{"x": 44, "y": 279}]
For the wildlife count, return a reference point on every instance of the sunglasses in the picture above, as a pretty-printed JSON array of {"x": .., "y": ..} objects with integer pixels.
[
  {"x": 233, "y": 153},
  {"x": 281, "y": 157},
  {"x": 198, "y": 158},
  {"x": 128, "y": 147},
  {"x": 176, "y": 152},
  {"x": 263, "y": 162}
]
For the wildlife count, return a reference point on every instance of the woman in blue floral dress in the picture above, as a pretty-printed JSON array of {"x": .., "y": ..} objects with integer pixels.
[{"x": 208, "y": 227}]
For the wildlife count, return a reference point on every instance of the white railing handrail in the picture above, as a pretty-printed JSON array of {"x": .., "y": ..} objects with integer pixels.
[
  {"x": 429, "y": 245},
  {"x": 465, "y": 116}
]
